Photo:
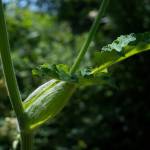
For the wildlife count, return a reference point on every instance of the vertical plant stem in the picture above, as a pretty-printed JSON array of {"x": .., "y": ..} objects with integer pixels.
[
  {"x": 90, "y": 36},
  {"x": 8, "y": 69},
  {"x": 11, "y": 82},
  {"x": 26, "y": 140}
]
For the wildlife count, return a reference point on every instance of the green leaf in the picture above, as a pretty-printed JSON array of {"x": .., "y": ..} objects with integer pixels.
[
  {"x": 120, "y": 43},
  {"x": 46, "y": 70},
  {"x": 83, "y": 77},
  {"x": 87, "y": 78},
  {"x": 60, "y": 72},
  {"x": 123, "y": 47}
]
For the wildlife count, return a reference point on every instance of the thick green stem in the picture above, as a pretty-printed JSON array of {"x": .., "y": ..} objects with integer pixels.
[
  {"x": 90, "y": 36},
  {"x": 11, "y": 82},
  {"x": 26, "y": 140},
  {"x": 8, "y": 69}
]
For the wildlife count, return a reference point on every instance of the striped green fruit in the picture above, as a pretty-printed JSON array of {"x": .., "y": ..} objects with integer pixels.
[{"x": 46, "y": 101}]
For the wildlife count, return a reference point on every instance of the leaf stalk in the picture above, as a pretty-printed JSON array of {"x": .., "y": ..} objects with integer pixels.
[{"x": 90, "y": 37}]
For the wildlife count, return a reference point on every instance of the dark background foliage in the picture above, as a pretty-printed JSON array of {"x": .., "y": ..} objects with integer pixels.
[{"x": 97, "y": 117}]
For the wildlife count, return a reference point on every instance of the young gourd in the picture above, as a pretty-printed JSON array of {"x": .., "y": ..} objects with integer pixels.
[{"x": 46, "y": 101}]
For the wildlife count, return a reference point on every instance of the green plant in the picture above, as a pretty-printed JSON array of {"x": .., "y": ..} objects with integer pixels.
[{"x": 49, "y": 99}]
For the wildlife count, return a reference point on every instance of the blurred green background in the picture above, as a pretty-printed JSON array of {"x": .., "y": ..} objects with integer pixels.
[{"x": 97, "y": 117}]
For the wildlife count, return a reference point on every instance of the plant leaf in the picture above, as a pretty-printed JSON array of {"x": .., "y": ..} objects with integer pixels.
[
  {"x": 123, "y": 47},
  {"x": 83, "y": 77},
  {"x": 60, "y": 72},
  {"x": 87, "y": 78}
]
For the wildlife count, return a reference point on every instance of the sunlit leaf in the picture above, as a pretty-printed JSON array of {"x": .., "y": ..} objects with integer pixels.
[{"x": 123, "y": 47}]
